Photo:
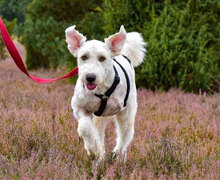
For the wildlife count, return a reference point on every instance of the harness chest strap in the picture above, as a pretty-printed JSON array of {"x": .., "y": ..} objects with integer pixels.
[
  {"x": 104, "y": 98},
  {"x": 127, "y": 79}
]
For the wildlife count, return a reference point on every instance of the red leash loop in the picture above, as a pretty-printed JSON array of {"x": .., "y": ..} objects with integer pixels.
[{"x": 18, "y": 61}]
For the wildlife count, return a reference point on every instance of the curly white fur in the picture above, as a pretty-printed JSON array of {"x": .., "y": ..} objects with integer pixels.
[{"x": 96, "y": 58}]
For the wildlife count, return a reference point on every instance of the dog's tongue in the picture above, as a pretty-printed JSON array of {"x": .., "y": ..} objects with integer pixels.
[{"x": 90, "y": 86}]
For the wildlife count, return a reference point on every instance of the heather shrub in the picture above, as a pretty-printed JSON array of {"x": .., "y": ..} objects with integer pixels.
[
  {"x": 176, "y": 134},
  {"x": 44, "y": 29},
  {"x": 10, "y": 25},
  {"x": 183, "y": 41}
]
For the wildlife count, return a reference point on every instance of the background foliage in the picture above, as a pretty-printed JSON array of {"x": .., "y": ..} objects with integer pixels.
[
  {"x": 183, "y": 40},
  {"x": 183, "y": 36},
  {"x": 11, "y": 9},
  {"x": 44, "y": 30},
  {"x": 10, "y": 25}
]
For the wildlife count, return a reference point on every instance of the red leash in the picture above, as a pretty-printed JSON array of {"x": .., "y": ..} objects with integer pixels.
[{"x": 18, "y": 61}]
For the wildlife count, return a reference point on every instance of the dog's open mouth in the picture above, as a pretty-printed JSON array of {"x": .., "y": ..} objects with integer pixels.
[{"x": 90, "y": 86}]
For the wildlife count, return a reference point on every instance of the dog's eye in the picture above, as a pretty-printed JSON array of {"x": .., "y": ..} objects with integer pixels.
[
  {"x": 84, "y": 57},
  {"x": 102, "y": 58}
]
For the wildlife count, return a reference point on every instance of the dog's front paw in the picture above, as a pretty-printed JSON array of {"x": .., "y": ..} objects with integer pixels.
[
  {"x": 96, "y": 159},
  {"x": 112, "y": 158},
  {"x": 116, "y": 156},
  {"x": 94, "y": 151}
]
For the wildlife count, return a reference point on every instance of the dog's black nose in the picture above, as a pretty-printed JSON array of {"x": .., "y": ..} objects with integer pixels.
[{"x": 90, "y": 77}]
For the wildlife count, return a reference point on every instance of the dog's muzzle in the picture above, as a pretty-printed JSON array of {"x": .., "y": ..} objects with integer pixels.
[{"x": 90, "y": 78}]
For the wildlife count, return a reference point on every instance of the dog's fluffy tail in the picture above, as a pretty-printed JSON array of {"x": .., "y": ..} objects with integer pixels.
[{"x": 134, "y": 48}]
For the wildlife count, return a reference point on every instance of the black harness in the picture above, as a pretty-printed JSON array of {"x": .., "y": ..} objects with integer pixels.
[{"x": 104, "y": 97}]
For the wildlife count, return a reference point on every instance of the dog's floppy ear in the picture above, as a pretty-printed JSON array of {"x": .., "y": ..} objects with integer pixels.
[
  {"x": 116, "y": 41},
  {"x": 74, "y": 39}
]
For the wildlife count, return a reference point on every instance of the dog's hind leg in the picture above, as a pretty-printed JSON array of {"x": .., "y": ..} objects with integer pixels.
[
  {"x": 90, "y": 134},
  {"x": 125, "y": 129}
]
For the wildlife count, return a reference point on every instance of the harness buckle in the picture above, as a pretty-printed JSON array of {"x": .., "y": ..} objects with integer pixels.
[{"x": 105, "y": 97}]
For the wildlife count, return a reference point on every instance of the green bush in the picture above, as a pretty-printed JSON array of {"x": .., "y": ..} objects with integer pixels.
[
  {"x": 183, "y": 41},
  {"x": 14, "y": 9},
  {"x": 45, "y": 24},
  {"x": 183, "y": 37},
  {"x": 10, "y": 25}
]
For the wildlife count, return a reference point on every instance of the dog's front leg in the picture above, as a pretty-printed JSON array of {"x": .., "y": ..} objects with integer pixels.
[{"x": 88, "y": 131}]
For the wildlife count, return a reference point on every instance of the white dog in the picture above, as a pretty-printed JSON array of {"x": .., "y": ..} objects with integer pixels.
[{"x": 105, "y": 87}]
